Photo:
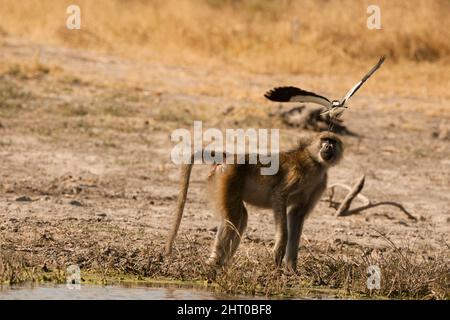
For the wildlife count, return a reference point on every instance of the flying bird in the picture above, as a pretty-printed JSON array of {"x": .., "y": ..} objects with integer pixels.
[{"x": 335, "y": 108}]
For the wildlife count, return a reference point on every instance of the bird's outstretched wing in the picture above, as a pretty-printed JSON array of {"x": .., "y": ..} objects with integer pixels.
[
  {"x": 293, "y": 94},
  {"x": 355, "y": 88}
]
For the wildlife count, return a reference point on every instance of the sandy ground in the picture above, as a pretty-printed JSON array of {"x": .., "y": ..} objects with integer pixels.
[{"x": 85, "y": 145}]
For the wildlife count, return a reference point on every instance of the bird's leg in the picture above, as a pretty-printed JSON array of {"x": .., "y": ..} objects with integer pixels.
[{"x": 331, "y": 126}]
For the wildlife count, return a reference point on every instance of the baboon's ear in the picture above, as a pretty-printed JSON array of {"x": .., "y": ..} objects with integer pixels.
[{"x": 293, "y": 94}]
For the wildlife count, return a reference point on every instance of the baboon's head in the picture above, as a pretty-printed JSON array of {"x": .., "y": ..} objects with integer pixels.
[{"x": 327, "y": 147}]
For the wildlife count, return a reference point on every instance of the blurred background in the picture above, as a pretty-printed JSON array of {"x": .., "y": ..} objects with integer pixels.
[{"x": 266, "y": 36}]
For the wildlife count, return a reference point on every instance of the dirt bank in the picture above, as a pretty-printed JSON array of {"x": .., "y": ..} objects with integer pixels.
[{"x": 85, "y": 176}]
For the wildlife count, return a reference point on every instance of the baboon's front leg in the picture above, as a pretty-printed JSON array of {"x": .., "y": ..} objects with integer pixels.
[
  {"x": 281, "y": 230},
  {"x": 295, "y": 217}
]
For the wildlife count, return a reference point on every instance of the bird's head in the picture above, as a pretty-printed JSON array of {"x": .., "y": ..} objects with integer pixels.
[{"x": 335, "y": 103}]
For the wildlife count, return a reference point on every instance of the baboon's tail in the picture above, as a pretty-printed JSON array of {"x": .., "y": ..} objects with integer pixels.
[{"x": 184, "y": 184}]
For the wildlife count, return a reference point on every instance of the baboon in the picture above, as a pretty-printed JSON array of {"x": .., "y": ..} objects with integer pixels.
[{"x": 291, "y": 193}]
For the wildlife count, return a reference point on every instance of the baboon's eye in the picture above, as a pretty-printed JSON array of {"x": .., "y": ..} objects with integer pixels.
[{"x": 327, "y": 143}]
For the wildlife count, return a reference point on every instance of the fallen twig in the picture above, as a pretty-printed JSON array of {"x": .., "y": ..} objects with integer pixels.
[
  {"x": 344, "y": 207},
  {"x": 360, "y": 196},
  {"x": 383, "y": 203}
]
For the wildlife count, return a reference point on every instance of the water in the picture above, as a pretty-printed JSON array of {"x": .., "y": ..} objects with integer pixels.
[{"x": 110, "y": 292}]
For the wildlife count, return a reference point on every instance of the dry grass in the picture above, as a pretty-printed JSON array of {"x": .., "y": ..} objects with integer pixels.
[
  {"x": 323, "y": 273},
  {"x": 256, "y": 35},
  {"x": 14, "y": 268},
  {"x": 245, "y": 35},
  {"x": 12, "y": 99}
]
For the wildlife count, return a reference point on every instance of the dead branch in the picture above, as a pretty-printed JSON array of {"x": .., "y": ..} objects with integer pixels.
[
  {"x": 383, "y": 203},
  {"x": 344, "y": 207},
  {"x": 358, "y": 195}
]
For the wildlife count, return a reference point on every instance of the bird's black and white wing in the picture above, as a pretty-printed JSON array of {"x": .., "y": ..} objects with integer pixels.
[
  {"x": 293, "y": 94},
  {"x": 355, "y": 88}
]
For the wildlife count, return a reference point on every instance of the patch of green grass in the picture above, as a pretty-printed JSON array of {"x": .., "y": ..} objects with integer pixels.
[
  {"x": 98, "y": 109},
  {"x": 115, "y": 110},
  {"x": 73, "y": 109},
  {"x": 12, "y": 98},
  {"x": 109, "y": 144},
  {"x": 14, "y": 70},
  {"x": 27, "y": 70},
  {"x": 43, "y": 131},
  {"x": 183, "y": 115},
  {"x": 14, "y": 269},
  {"x": 123, "y": 96},
  {"x": 72, "y": 80}
]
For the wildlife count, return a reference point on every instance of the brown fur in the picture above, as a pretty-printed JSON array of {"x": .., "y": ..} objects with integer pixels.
[{"x": 291, "y": 193}]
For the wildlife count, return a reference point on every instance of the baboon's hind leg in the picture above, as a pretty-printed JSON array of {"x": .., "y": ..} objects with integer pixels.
[{"x": 229, "y": 234}]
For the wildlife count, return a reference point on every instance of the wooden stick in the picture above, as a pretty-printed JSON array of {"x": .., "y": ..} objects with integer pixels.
[
  {"x": 383, "y": 203},
  {"x": 360, "y": 196},
  {"x": 345, "y": 205}
]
